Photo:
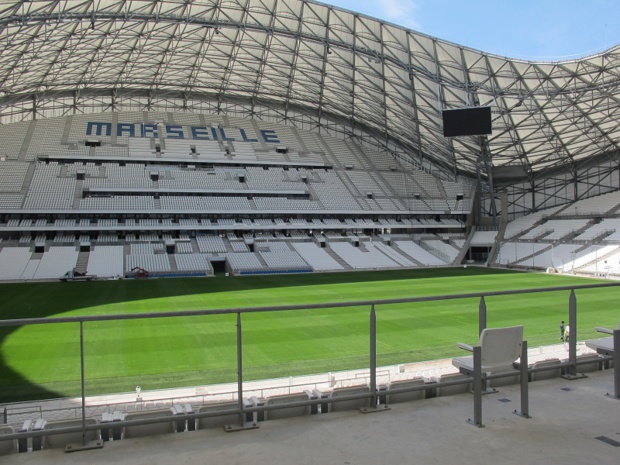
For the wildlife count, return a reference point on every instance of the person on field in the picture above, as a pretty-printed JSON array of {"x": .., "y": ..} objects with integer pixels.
[{"x": 562, "y": 331}]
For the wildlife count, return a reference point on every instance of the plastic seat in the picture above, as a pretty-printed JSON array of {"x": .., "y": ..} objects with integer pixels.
[{"x": 501, "y": 347}]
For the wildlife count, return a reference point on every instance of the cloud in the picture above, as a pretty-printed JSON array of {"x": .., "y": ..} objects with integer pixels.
[{"x": 401, "y": 12}]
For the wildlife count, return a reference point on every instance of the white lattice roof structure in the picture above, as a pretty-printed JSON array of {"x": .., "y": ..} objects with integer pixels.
[{"x": 311, "y": 65}]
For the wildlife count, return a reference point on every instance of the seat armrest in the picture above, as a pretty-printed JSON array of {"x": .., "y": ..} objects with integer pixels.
[
  {"x": 462, "y": 345},
  {"x": 603, "y": 330}
]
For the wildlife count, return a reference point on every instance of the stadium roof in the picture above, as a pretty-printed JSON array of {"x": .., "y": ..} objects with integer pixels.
[{"x": 312, "y": 64}]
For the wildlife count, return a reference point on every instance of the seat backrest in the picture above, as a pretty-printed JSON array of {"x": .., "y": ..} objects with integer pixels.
[
  {"x": 7, "y": 447},
  {"x": 348, "y": 404},
  {"x": 221, "y": 420},
  {"x": 500, "y": 347},
  {"x": 60, "y": 441},
  {"x": 287, "y": 412},
  {"x": 138, "y": 431}
]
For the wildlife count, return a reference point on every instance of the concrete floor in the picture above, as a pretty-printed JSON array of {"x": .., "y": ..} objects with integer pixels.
[{"x": 567, "y": 418}]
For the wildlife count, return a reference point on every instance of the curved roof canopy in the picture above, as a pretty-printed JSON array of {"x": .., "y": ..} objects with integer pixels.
[{"x": 385, "y": 83}]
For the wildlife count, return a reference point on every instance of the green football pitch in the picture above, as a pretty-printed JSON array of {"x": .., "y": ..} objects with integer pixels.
[{"x": 42, "y": 361}]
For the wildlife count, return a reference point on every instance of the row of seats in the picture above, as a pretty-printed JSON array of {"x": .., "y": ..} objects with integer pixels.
[
  {"x": 224, "y": 414},
  {"x": 109, "y": 258},
  {"x": 227, "y": 417},
  {"x": 359, "y": 259},
  {"x": 318, "y": 223},
  {"x": 56, "y": 185},
  {"x": 565, "y": 257}
]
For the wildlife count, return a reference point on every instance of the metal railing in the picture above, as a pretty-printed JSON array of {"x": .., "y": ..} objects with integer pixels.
[{"x": 373, "y": 393}]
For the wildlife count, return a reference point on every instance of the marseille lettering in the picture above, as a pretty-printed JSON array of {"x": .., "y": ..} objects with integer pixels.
[{"x": 172, "y": 131}]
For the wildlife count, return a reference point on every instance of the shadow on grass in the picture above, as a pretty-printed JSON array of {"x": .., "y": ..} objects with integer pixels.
[{"x": 46, "y": 299}]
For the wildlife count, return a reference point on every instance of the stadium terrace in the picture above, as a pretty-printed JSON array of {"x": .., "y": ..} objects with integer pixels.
[{"x": 292, "y": 153}]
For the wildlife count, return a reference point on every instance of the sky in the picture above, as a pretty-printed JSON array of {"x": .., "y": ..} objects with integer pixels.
[{"x": 527, "y": 29}]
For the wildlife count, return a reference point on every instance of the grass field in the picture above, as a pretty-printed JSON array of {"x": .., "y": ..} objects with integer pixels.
[{"x": 41, "y": 361}]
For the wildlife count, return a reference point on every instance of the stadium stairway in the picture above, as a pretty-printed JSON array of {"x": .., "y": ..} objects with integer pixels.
[
  {"x": 26, "y": 145},
  {"x": 499, "y": 239},
  {"x": 79, "y": 188},
  {"x": 64, "y": 139},
  {"x": 579, "y": 231},
  {"x": 262, "y": 260},
  {"x": 27, "y": 180},
  {"x": 601, "y": 258},
  {"x": 613, "y": 211},
  {"x": 229, "y": 248},
  {"x": 406, "y": 255},
  {"x": 362, "y": 247},
  {"x": 527, "y": 230},
  {"x": 194, "y": 243},
  {"x": 335, "y": 256},
  {"x": 82, "y": 262},
  {"x": 440, "y": 255},
  {"x": 463, "y": 253},
  {"x": 300, "y": 141},
  {"x": 353, "y": 191},
  {"x": 173, "y": 263}
]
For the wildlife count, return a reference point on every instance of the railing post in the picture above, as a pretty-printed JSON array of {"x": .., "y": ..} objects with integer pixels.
[
  {"x": 477, "y": 387},
  {"x": 373, "y": 355},
  {"x": 84, "y": 445},
  {"x": 524, "y": 374},
  {"x": 374, "y": 400},
  {"x": 616, "y": 341},
  {"x": 242, "y": 425},
  {"x": 240, "y": 370},
  {"x": 83, "y": 383},
  {"x": 572, "y": 338},
  {"x": 482, "y": 315}
]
